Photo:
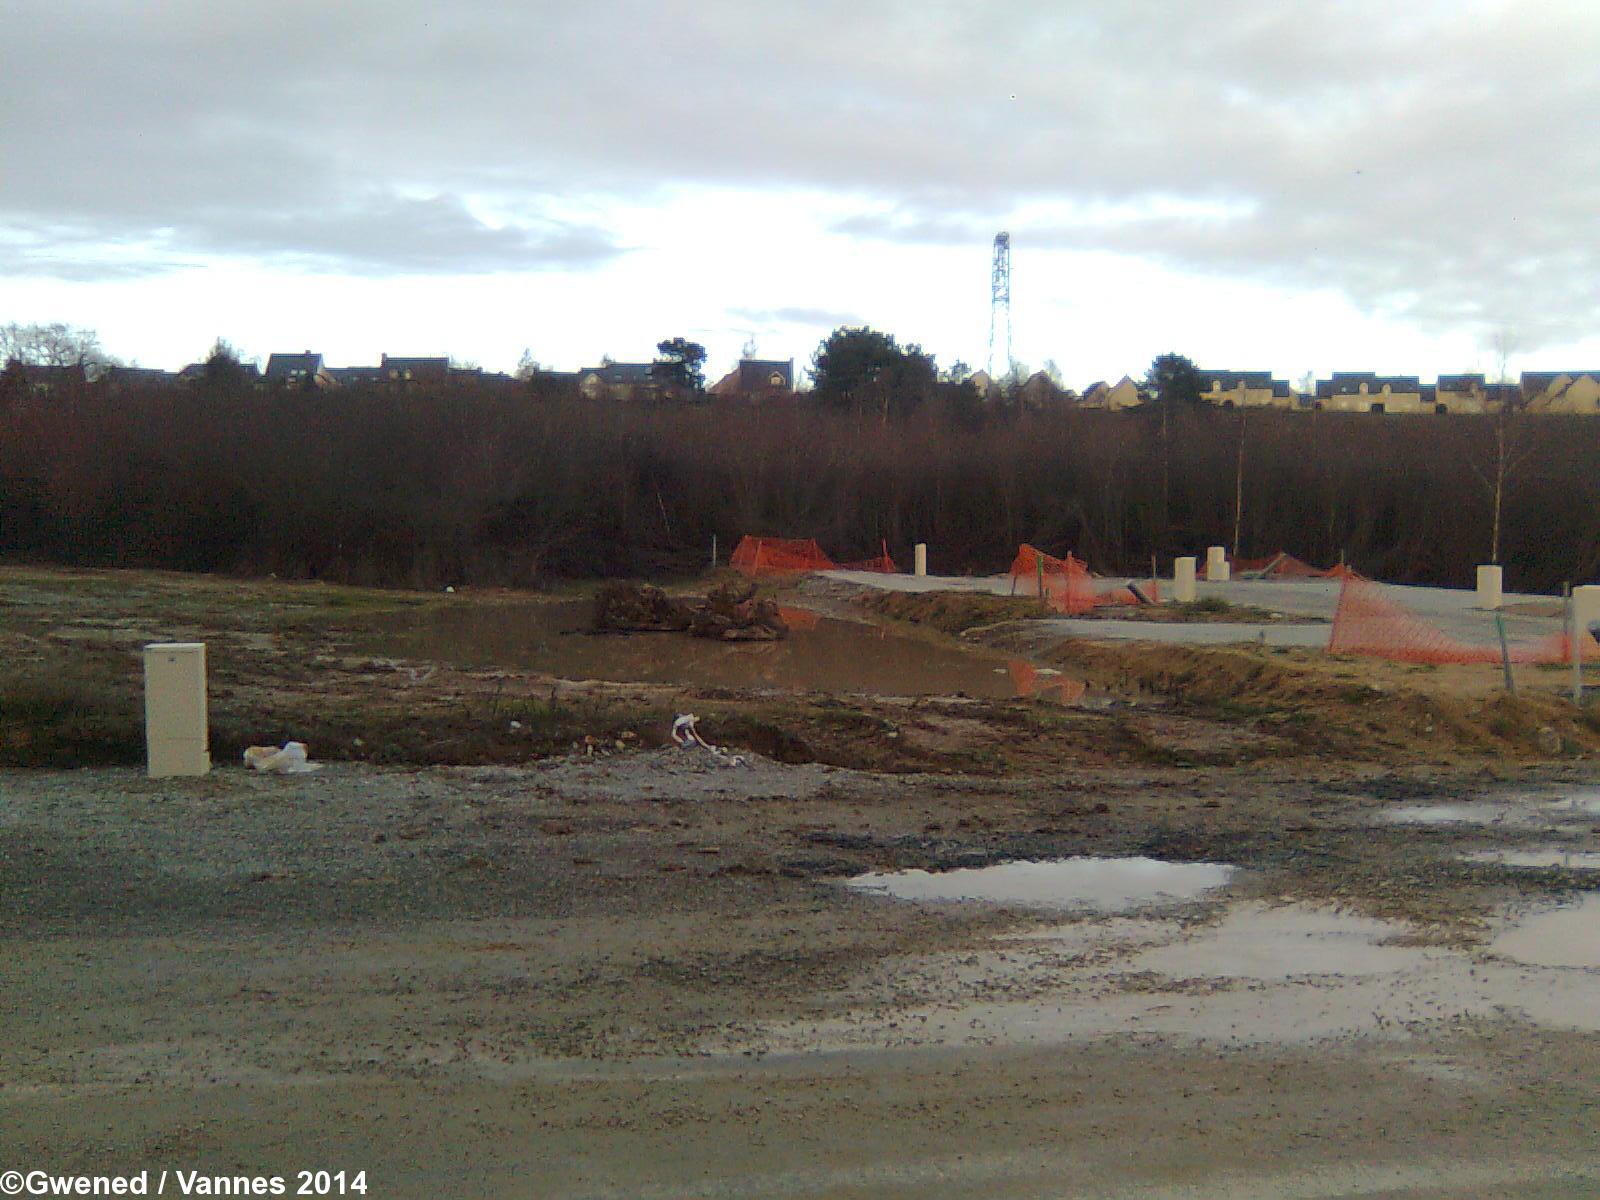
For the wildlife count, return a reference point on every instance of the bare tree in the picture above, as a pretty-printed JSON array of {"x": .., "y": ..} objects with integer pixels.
[
  {"x": 1511, "y": 451},
  {"x": 55, "y": 345}
]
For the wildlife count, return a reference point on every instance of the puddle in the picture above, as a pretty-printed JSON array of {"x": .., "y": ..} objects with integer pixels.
[
  {"x": 1255, "y": 942},
  {"x": 1093, "y": 884},
  {"x": 1552, "y": 857},
  {"x": 828, "y": 656},
  {"x": 1568, "y": 936},
  {"x": 1522, "y": 812}
]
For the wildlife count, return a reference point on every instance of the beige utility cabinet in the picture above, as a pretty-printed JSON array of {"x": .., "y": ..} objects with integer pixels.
[{"x": 176, "y": 735}]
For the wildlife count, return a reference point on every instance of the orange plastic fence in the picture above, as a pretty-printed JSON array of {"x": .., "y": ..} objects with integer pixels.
[
  {"x": 1281, "y": 565},
  {"x": 764, "y": 556},
  {"x": 1068, "y": 585},
  {"x": 1369, "y": 623},
  {"x": 779, "y": 556}
]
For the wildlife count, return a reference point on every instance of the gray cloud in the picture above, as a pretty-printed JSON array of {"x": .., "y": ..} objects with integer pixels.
[
  {"x": 1434, "y": 160},
  {"x": 794, "y": 315}
]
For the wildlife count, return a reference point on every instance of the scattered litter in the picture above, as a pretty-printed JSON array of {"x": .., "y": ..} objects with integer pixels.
[
  {"x": 685, "y": 735},
  {"x": 291, "y": 759}
]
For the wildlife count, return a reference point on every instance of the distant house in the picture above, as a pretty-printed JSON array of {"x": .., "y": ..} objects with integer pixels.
[
  {"x": 1470, "y": 393},
  {"x": 1245, "y": 389},
  {"x": 199, "y": 372},
  {"x": 1366, "y": 391},
  {"x": 414, "y": 370},
  {"x": 618, "y": 381},
  {"x": 298, "y": 370},
  {"x": 356, "y": 376},
  {"x": 757, "y": 379},
  {"x": 983, "y": 382},
  {"x": 1038, "y": 391},
  {"x": 48, "y": 381},
  {"x": 124, "y": 379},
  {"x": 1113, "y": 397},
  {"x": 1562, "y": 391}
]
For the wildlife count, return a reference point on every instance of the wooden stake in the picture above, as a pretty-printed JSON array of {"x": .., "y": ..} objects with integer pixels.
[
  {"x": 1574, "y": 646},
  {"x": 1505, "y": 654}
]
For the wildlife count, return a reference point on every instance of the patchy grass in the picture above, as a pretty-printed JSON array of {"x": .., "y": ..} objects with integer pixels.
[
  {"x": 953, "y": 612},
  {"x": 57, "y": 713}
]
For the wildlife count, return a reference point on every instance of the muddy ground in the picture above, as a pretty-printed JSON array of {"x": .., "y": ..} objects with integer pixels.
[{"x": 627, "y": 970}]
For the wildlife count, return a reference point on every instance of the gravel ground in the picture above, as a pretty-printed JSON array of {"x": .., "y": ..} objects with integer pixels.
[{"x": 571, "y": 979}]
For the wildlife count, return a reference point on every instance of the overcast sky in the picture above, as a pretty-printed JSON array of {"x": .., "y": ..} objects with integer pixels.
[{"x": 1297, "y": 185}]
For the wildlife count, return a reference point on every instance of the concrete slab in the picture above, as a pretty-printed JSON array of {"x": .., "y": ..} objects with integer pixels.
[{"x": 1454, "y": 611}]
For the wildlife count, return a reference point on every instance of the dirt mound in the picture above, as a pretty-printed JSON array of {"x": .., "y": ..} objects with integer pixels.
[
  {"x": 952, "y": 612},
  {"x": 1312, "y": 699},
  {"x": 730, "y": 613}
]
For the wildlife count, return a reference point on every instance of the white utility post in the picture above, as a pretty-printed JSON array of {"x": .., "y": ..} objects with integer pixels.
[
  {"x": 920, "y": 556},
  {"x": 1217, "y": 570},
  {"x": 1490, "y": 590},
  {"x": 1183, "y": 590}
]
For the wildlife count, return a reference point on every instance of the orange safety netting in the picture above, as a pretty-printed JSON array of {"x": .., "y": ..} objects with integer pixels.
[
  {"x": 1369, "y": 623},
  {"x": 757, "y": 556},
  {"x": 779, "y": 556},
  {"x": 1068, "y": 585},
  {"x": 1281, "y": 565},
  {"x": 880, "y": 562}
]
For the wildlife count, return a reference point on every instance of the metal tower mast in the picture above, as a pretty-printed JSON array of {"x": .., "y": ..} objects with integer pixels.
[{"x": 1000, "y": 300}]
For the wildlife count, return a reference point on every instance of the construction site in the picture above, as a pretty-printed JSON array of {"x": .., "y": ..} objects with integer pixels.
[{"x": 1241, "y": 879}]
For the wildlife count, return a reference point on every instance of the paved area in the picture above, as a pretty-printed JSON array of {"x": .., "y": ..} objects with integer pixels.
[
  {"x": 1453, "y": 611},
  {"x": 1210, "y": 634}
]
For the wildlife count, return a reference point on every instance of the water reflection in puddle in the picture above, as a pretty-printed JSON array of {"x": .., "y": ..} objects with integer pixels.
[
  {"x": 1093, "y": 884},
  {"x": 1568, "y": 936},
  {"x": 820, "y": 654},
  {"x": 1258, "y": 942}
]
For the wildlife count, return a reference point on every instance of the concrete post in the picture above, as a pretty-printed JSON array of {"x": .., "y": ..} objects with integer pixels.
[
  {"x": 1489, "y": 590},
  {"x": 920, "y": 554},
  {"x": 1585, "y": 606},
  {"x": 1217, "y": 570},
  {"x": 176, "y": 737},
  {"x": 1183, "y": 580}
]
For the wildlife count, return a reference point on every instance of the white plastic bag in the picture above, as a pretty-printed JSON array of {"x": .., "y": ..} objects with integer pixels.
[{"x": 290, "y": 760}]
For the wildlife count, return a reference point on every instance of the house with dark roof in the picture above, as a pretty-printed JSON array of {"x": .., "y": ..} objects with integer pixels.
[
  {"x": 1367, "y": 391},
  {"x": 127, "y": 379},
  {"x": 619, "y": 381},
  {"x": 757, "y": 379},
  {"x": 398, "y": 369},
  {"x": 298, "y": 370},
  {"x": 356, "y": 376},
  {"x": 198, "y": 373},
  {"x": 1562, "y": 391},
  {"x": 1470, "y": 393},
  {"x": 50, "y": 381},
  {"x": 1245, "y": 389}
]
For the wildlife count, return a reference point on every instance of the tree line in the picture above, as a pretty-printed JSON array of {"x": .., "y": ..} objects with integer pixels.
[{"x": 461, "y": 483}]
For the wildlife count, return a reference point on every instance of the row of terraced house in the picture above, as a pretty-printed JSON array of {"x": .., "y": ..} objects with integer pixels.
[{"x": 1369, "y": 392}]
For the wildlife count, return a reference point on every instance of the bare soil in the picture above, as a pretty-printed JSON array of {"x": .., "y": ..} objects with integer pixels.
[{"x": 557, "y": 960}]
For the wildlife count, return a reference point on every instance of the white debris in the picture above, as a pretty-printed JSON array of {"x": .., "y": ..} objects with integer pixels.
[{"x": 290, "y": 759}]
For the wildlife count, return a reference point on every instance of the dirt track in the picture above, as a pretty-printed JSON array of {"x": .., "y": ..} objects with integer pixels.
[{"x": 567, "y": 981}]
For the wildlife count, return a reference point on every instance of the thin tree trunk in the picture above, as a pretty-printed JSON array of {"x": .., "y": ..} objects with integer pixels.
[{"x": 1238, "y": 487}]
